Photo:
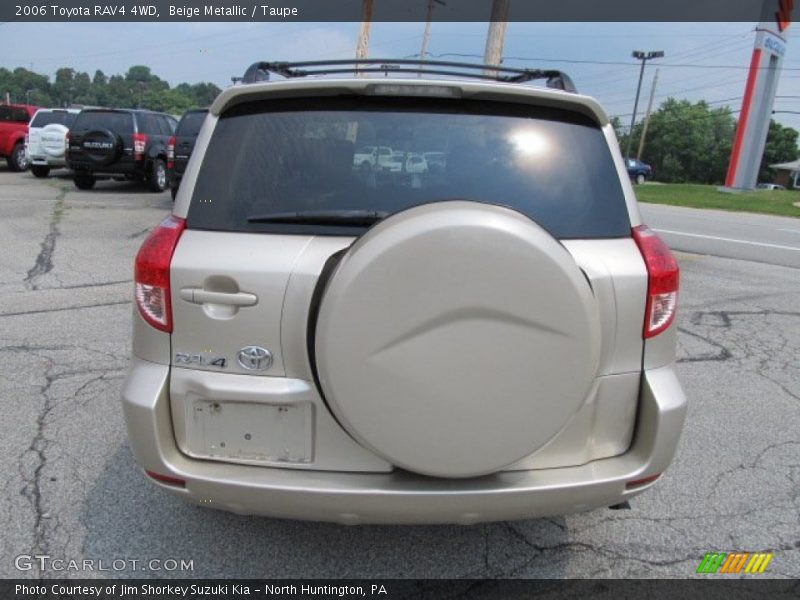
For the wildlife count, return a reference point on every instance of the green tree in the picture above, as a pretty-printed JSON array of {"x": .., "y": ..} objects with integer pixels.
[
  {"x": 619, "y": 128},
  {"x": 688, "y": 142},
  {"x": 138, "y": 87},
  {"x": 781, "y": 147}
]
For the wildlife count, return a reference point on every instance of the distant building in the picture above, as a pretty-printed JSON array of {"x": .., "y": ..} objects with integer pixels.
[{"x": 788, "y": 173}]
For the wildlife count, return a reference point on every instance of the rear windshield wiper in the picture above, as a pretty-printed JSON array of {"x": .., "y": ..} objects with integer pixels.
[{"x": 322, "y": 217}]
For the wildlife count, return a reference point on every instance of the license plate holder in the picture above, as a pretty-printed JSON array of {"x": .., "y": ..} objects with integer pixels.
[{"x": 250, "y": 432}]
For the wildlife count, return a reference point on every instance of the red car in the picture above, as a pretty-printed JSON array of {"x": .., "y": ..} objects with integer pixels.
[{"x": 14, "y": 120}]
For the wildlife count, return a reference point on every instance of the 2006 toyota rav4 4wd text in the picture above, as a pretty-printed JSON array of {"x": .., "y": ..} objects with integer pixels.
[{"x": 487, "y": 341}]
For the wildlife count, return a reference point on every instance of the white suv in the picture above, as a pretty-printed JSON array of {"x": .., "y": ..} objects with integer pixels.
[
  {"x": 495, "y": 341},
  {"x": 46, "y": 143}
]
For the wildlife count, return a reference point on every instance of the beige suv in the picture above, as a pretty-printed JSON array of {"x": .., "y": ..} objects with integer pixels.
[{"x": 491, "y": 340}]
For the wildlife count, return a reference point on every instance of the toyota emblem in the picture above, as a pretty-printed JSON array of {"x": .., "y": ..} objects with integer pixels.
[{"x": 254, "y": 358}]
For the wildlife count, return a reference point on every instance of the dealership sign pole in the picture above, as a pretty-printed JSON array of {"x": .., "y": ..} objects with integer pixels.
[{"x": 759, "y": 95}]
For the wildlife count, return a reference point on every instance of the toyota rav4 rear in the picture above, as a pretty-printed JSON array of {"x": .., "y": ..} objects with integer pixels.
[{"x": 492, "y": 339}]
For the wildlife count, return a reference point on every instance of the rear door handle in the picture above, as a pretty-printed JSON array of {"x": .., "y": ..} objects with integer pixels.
[{"x": 201, "y": 296}]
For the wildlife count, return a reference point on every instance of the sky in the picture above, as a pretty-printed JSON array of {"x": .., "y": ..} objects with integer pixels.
[{"x": 703, "y": 61}]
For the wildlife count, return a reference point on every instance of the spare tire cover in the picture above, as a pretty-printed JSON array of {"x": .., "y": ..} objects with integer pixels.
[
  {"x": 53, "y": 139},
  {"x": 456, "y": 338},
  {"x": 102, "y": 146}
]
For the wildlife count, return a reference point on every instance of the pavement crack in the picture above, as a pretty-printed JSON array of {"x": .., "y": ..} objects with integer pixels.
[
  {"x": 722, "y": 355},
  {"x": 44, "y": 260},
  {"x": 65, "y": 308},
  {"x": 133, "y": 236},
  {"x": 32, "y": 489},
  {"x": 585, "y": 546},
  {"x": 80, "y": 286}
]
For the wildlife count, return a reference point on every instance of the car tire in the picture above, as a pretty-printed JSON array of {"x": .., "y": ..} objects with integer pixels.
[
  {"x": 640, "y": 179},
  {"x": 18, "y": 161},
  {"x": 157, "y": 176},
  {"x": 40, "y": 171},
  {"x": 84, "y": 182}
]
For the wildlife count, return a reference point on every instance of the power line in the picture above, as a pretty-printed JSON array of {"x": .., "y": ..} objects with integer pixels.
[
  {"x": 654, "y": 120},
  {"x": 606, "y": 62},
  {"x": 707, "y": 103},
  {"x": 672, "y": 92},
  {"x": 706, "y": 47}
]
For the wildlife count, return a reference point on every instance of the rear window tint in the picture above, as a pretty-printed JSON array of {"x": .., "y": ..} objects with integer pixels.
[
  {"x": 190, "y": 123},
  {"x": 118, "y": 122},
  {"x": 14, "y": 114},
  {"x": 168, "y": 125},
  {"x": 352, "y": 154},
  {"x": 44, "y": 118}
]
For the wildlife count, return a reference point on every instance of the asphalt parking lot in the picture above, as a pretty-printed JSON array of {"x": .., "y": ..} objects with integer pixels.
[{"x": 71, "y": 490}]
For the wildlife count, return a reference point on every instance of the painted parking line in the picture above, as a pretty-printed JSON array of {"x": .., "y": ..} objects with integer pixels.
[{"x": 724, "y": 239}]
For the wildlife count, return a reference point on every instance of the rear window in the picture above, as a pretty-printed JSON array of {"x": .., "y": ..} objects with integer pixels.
[
  {"x": 190, "y": 123},
  {"x": 61, "y": 117},
  {"x": 339, "y": 155},
  {"x": 118, "y": 122},
  {"x": 14, "y": 114}
]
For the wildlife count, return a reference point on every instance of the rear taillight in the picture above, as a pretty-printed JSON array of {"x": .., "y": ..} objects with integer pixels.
[
  {"x": 171, "y": 152},
  {"x": 139, "y": 143},
  {"x": 662, "y": 281},
  {"x": 151, "y": 273},
  {"x": 66, "y": 141}
]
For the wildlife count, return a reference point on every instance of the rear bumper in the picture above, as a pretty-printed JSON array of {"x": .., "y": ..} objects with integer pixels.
[
  {"x": 123, "y": 166},
  {"x": 48, "y": 161},
  {"x": 401, "y": 497}
]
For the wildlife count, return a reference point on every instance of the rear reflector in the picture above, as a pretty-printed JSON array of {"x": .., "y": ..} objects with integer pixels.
[
  {"x": 166, "y": 479},
  {"x": 662, "y": 281},
  {"x": 151, "y": 273},
  {"x": 640, "y": 482}
]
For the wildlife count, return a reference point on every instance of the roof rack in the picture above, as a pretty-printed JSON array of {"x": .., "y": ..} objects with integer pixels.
[{"x": 260, "y": 71}]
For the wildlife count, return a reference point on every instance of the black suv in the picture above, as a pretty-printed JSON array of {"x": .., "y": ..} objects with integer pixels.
[
  {"x": 181, "y": 145},
  {"x": 120, "y": 142}
]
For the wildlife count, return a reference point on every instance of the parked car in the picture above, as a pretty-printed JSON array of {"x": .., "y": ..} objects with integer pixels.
[
  {"x": 180, "y": 146},
  {"x": 416, "y": 163},
  {"x": 47, "y": 139},
  {"x": 14, "y": 120},
  {"x": 436, "y": 161},
  {"x": 497, "y": 342},
  {"x": 371, "y": 157},
  {"x": 121, "y": 143},
  {"x": 638, "y": 171},
  {"x": 770, "y": 186}
]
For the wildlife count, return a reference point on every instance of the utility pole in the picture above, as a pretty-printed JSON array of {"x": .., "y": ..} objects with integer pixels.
[
  {"x": 647, "y": 116},
  {"x": 362, "y": 52},
  {"x": 644, "y": 57},
  {"x": 362, "y": 47},
  {"x": 424, "y": 51},
  {"x": 426, "y": 35},
  {"x": 498, "y": 21}
]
